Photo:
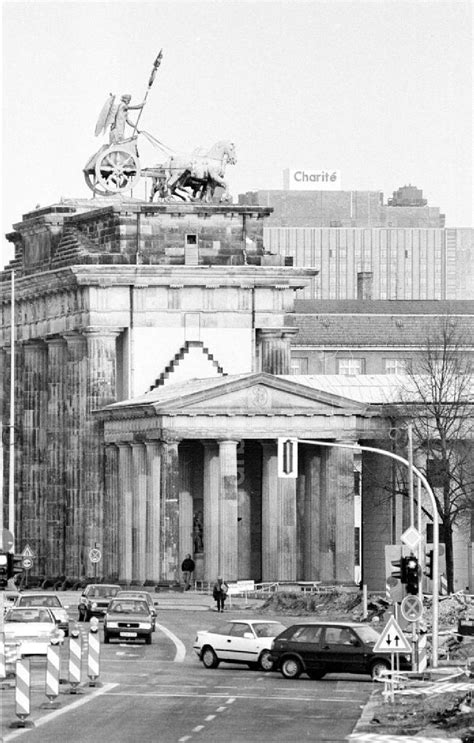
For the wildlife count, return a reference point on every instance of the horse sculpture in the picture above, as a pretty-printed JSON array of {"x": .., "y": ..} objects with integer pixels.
[{"x": 197, "y": 175}]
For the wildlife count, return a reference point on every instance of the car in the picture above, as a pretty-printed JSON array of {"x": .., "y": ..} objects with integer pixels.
[
  {"x": 95, "y": 599},
  {"x": 33, "y": 628},
  {"x": 128, "y": 619},
  {"x": 318, "y": 648},
  {"x": 140, "y": 596},
  {"x": 245, "y": 641},
  {"x": 51, "y": 601}
]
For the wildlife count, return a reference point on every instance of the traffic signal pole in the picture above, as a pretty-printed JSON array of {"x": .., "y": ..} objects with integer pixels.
[{"x": 426, "y": 485}]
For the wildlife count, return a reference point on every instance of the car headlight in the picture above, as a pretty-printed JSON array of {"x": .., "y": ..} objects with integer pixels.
[{"x": 94, "y": 605}]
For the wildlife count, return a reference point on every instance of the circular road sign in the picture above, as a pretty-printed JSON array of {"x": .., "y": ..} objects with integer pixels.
[
  {"x": 95, "y": 555},
  {"x": 411, "y": 608},
  {"x": 27, "y": 563},
  {"x": 7, "y": 540}
]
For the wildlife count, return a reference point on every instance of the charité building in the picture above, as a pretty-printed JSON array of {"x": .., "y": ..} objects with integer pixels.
[{"x": 153, "y": 379}]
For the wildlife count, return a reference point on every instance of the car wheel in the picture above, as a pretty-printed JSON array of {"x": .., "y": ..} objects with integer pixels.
[
  {"x": 209, "y": 658},
  {"x": 87, "y": 616},
  {"x": 81, "y": 615},
  {"x": 316, "y": 675},
  {"x": 106, "y": 638},
  {"x": 291, "y": 668},
  {"x": 148, "y": 640},
  {"x": 265, "y": 662},
  {"x": 377, "y": 668}
]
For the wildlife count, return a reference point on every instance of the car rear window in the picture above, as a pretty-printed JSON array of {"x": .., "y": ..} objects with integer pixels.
[
  {"x": 28, "y": 615},
  {"x": 39, "y": 601},
  {"x": 268, "y": 629},
  {"x": 306, "y": 634}
]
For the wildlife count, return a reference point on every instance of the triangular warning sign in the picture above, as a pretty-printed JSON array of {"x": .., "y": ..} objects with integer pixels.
[
  {"x": 28, "y": 552},
  {"x": 392, "y": 639}
]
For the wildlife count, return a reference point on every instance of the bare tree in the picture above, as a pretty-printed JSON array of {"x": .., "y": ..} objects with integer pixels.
[{"x": 438, "y": 400}]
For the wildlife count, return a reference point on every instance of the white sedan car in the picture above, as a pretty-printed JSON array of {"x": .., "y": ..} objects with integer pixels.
[
  {"x": 52, "y": 602},
  {"x": 32, "y": 628},
  {"x": 245, "y": 641}
]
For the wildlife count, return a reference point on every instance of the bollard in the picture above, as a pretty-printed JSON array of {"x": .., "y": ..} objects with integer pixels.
[
  {"x": 3, "y": 660},
  {"x": 22, "y": 694},
  {"x": 75, "y": 660},
  {"x": 53, "y": 663},
  {"x": 93, "y": 656}
]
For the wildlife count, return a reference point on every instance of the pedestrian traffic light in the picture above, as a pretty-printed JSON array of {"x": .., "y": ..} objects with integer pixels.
[
  {"x": 400, "y": 569},
  {"x": 412, "y": 574},
  {"x": 429, "y": 566},
  {"x": 287, "y": 457},
  {"x": 15, "y": 564},
  {"x": 3, "y": 569}
]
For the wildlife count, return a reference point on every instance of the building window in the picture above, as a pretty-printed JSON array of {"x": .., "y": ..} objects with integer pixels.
[
  {"x": 299, "y": 365},
  {"x": 396, "y": 366},
  {"x": 350, "y": 366}
]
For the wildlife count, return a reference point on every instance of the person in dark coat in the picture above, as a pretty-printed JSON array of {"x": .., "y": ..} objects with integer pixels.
[
  {"x": 219, "y": 593},
  {"x": 187, "y": 566}
]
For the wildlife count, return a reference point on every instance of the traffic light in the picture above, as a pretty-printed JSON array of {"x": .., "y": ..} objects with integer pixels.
[
  {"x": 15, "y": 565},
  {"x": 400, "y": 571},
  {"x": 287, "y": 457},
  {"x": 412, "y": 570},
  {"x": 3, "y": 570},
  {"x": 429, "y": 564}
]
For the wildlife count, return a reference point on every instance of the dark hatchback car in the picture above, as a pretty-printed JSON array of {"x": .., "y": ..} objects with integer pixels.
[
  {"x": 330, "y": 647},
  {"x": 95, "y": 599}
]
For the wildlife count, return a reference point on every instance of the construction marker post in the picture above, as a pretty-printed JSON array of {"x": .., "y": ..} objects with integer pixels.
[
  {"x": 93, "y": 655},
  {"x": 3, "y": 660},
  {"x": 75, "y": 660},
  {"x": 53, "y": 664},
  {"x": 22, "y": 694}
]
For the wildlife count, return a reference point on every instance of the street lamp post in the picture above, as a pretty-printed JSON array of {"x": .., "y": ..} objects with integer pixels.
[{"x": 414, "y": 471}]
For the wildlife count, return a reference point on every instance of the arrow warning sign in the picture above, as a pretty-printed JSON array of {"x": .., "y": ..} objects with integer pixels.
[{"x": 392, "y": 639}]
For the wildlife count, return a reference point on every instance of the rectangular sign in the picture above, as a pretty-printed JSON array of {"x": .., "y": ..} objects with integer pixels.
[
  {"x": 312, "y": 179},
  {"x": 246, "y": 585}
]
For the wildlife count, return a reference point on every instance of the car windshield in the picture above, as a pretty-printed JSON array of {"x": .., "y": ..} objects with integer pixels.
[
  {"x": 39, "y": 601},
  {"x": 28, "y": 615},
  {"x": 128, "y": 607},
  {"x": 368, "y": 635},
  {"x": 101, "y": 592},
  {"x": 268, "y": 629}
]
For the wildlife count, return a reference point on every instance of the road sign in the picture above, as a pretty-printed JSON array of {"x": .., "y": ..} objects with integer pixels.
[
  {"x": 28, "y": 552},
  {"x": 411, "y": 537},
  {"x": 27, "y": 563},
  {"x": 7, "y": 540},
  {"x": 95, "y": 555},
  {"x": 392, "y": 639},
  {"x": 411, "y": 608}
]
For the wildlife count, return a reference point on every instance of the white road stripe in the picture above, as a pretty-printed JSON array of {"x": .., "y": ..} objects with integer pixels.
[
  {"x": 209, "y": 718},
  {"x": 217, "y": 695},
  {"x": 198, "y": 728},
  {"x": 180, "y": 648}
]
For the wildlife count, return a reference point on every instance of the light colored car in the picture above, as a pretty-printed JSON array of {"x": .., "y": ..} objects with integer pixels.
[
  {"x": 128, "y": 619},
  {"x": 238, "y": 641},
  {"x": 34, "y": 628},
  {"x": 52, "y": 602},
  {"x": 140, "y": 596}
]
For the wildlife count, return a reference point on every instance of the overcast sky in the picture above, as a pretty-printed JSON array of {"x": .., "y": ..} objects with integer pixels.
[{"x": 381, "y": 91}]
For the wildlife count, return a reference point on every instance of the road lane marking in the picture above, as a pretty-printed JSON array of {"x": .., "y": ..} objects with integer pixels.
[
  {"x": 58, "y": 712},
  {"x": 220, "y": 709},
  {"x": 209, "y": 718},
  {"x": 217, "y": 695},
  {"x": 198, "y": 728},
  {"x": 180, "y": 648}
]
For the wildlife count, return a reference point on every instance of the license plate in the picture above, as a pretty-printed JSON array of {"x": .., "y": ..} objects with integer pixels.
[{"x": 128, "y": 634}]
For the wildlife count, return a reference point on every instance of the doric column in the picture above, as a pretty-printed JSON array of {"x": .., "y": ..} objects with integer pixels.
[
  {"x": 211, "y": 510},
  {"x": 228, "y": 541},
  {"x": 378, "y": 515},
  {"x": 153, "y": 499},
  {"x": 275, "y": 349},
  {"x": 270, "y": 516},
  {"x": 139, "y": 515},
  {"x": 170, "y": 508},
  {"x": 287, "y": 552},
  {"x": 311, "y": 518},
  {"x": 111, "y": 547},
  {"x": 185, "y": 504},
  {"x": 34, "y": 461},
  {"x": 337, "y": 515},
  {"x": 77, "y": 563},
  {"x": 56, "y": 432},
  {"x": 126, "y": 515}
]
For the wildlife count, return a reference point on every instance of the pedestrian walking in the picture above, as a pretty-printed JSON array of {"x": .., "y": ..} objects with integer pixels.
[
  {"x": 187, "y": 566},
  {"x": 219, "y": 592}
]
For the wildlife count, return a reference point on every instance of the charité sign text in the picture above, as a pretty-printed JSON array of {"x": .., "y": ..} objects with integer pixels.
[{"x": 314, "y": 180}]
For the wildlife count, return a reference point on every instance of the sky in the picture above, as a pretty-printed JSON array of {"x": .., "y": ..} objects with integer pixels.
[{"x": 380, "y": 90}]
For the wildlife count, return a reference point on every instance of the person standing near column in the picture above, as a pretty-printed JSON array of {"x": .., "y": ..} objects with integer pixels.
[
  {"x": 187, "y": 566},
  {"x": 219, "y": 593}
]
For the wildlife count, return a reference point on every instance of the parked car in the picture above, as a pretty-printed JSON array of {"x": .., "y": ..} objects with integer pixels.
[
  {"x": 95, "y": 599},
  {"x": 128, "y": 619},
  {"x": 238, "y": 641},
  {"x": 51, "y": 601},
  {"x": 33, "y": 628},
  {"x": 318, "y": 648},
  {"x": 140, "y": 596}
]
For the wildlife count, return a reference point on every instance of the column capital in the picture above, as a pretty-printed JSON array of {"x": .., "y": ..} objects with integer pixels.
[
  {"x": 101, "y": 331},
  {"x": 279, "y": 332}
]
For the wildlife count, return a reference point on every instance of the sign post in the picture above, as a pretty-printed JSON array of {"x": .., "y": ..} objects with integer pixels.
[{"x": 95, "y": 556}]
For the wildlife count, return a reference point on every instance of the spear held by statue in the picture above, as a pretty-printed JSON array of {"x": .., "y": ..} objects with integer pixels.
[{"x": 156, "y": 64}]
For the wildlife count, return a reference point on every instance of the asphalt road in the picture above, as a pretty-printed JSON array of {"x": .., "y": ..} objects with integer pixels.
[{"x": 163, "y": 693}]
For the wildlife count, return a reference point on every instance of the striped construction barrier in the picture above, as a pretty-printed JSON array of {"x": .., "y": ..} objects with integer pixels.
[
  {"x": 443, "y": 585},
  {"x": 53, "y": 664},
  {"x": 3, "y": 660},
  {"x": 421, "y": 654},
  {"x": 75, "y": 661},
  {"x": 22, "y": 693},
  {"x": 93, "y": 655}
]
